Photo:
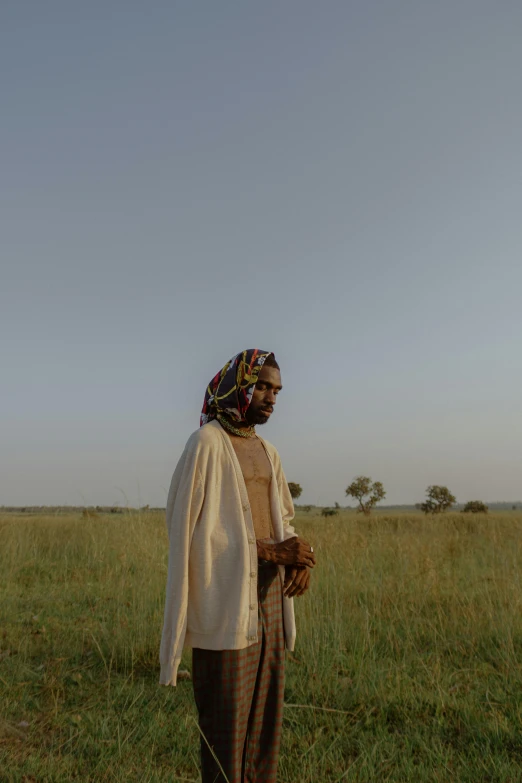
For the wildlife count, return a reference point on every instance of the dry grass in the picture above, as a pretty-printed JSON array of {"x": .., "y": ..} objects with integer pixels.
[{"x": 407, "y": 666}]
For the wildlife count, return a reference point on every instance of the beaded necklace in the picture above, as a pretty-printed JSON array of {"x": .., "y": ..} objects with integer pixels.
[{"x": 242, "y": 433}]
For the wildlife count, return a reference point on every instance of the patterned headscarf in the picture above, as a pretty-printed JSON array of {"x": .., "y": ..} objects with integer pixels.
[{"x": 230, "y": 391}]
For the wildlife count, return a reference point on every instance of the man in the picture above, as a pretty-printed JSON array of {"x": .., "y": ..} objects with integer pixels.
[{"x": 235, "y": 565}]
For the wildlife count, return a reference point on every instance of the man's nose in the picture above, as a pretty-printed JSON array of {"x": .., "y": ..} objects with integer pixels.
[{"x": 270, "y": 397}]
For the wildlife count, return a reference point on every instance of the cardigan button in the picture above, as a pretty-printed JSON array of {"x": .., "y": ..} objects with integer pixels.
[
  {"x": 252, "y": 607},
  {"x": 252, "y": 574},
  {"x": 252, "y": 638},
  {"x": 252, "y": 540}
]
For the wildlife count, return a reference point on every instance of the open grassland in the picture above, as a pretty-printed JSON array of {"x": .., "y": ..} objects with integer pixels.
[{"x": 407, "y": 667}]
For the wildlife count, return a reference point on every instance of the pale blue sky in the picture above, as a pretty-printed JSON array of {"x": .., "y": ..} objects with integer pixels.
[{"x": 339, "y": 182}]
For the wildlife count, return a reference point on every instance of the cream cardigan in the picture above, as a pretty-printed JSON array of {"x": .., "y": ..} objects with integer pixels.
[{"x": 211, "y": 599}]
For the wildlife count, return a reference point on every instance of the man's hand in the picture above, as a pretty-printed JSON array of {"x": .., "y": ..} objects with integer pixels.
[
  {"x": 292, "y": 552},
  {"x": 297, "y": 581}
]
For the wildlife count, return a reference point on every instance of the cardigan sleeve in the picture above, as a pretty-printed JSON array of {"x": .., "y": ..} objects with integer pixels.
[{"x": 184, "y": 504}]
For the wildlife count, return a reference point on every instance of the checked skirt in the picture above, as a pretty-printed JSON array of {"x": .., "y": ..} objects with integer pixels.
[{"x": 239, "y": 695}]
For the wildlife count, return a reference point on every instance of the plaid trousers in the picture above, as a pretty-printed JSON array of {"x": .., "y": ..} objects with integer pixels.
[{"x": 239, "y": 695}]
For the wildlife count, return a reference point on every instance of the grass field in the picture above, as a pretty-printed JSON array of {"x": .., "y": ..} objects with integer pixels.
[{"x": 407, "y": 667}]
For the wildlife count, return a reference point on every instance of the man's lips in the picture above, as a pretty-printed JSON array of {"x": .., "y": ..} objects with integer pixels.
[{"x": 267, "y": 411}]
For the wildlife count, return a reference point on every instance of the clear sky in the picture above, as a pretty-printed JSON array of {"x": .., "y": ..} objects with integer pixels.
[{"x": 339, "y": 182}]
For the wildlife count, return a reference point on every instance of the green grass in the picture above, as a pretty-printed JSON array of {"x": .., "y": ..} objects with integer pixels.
[{"x": 407, "y": 667}]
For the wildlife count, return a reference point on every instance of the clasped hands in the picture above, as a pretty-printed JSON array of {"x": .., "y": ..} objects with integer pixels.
[{"x": 297, "y": 556}]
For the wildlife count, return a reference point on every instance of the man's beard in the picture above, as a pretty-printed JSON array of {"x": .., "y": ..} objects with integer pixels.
[{"x": 255, "y": 418}]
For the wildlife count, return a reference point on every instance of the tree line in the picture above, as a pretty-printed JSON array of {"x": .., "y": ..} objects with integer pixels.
[{"x": 368, "y": 493}]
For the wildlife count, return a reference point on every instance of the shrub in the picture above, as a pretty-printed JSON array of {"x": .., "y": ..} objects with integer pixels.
[{"x": 475, "y": 507}]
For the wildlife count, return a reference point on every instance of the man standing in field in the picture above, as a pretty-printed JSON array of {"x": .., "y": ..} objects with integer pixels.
[{"x": 235, "y": 565}]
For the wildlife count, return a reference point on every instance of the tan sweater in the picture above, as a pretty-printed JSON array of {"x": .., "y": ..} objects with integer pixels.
[{"x": 211, "y": 596}]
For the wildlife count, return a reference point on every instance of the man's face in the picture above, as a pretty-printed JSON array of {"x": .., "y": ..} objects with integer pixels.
[{"x": 264, "y": 397}]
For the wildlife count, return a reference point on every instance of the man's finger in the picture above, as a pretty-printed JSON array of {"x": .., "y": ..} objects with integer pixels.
[
  {"x": 307, "y": 554},
  {"x": 296, "y": 591},
  {"x": 304, "y": 582},
  {"x": 290, "y": 574},
  {"x": 299, "y": 585}
]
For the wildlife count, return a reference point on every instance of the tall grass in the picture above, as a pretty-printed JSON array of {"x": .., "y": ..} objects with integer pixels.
[{"x": 407, "y": 667}]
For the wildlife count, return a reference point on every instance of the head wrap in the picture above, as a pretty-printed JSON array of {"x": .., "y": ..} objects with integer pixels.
[{"x": 230, "y": 391}]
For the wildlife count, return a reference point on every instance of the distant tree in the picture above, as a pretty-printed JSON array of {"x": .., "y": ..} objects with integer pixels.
[
  {"x": 439, "y": 500},
  {"x": 307, "y": 508},
  {"x": 329, "y": 512},
  {"x": 514, "y": 508},
  {"x": 295, "y": 489},
  {"x": 475, "y": 507},
  {"x": 367, "y": 494},
  {"x": 336, "y": 505}
]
